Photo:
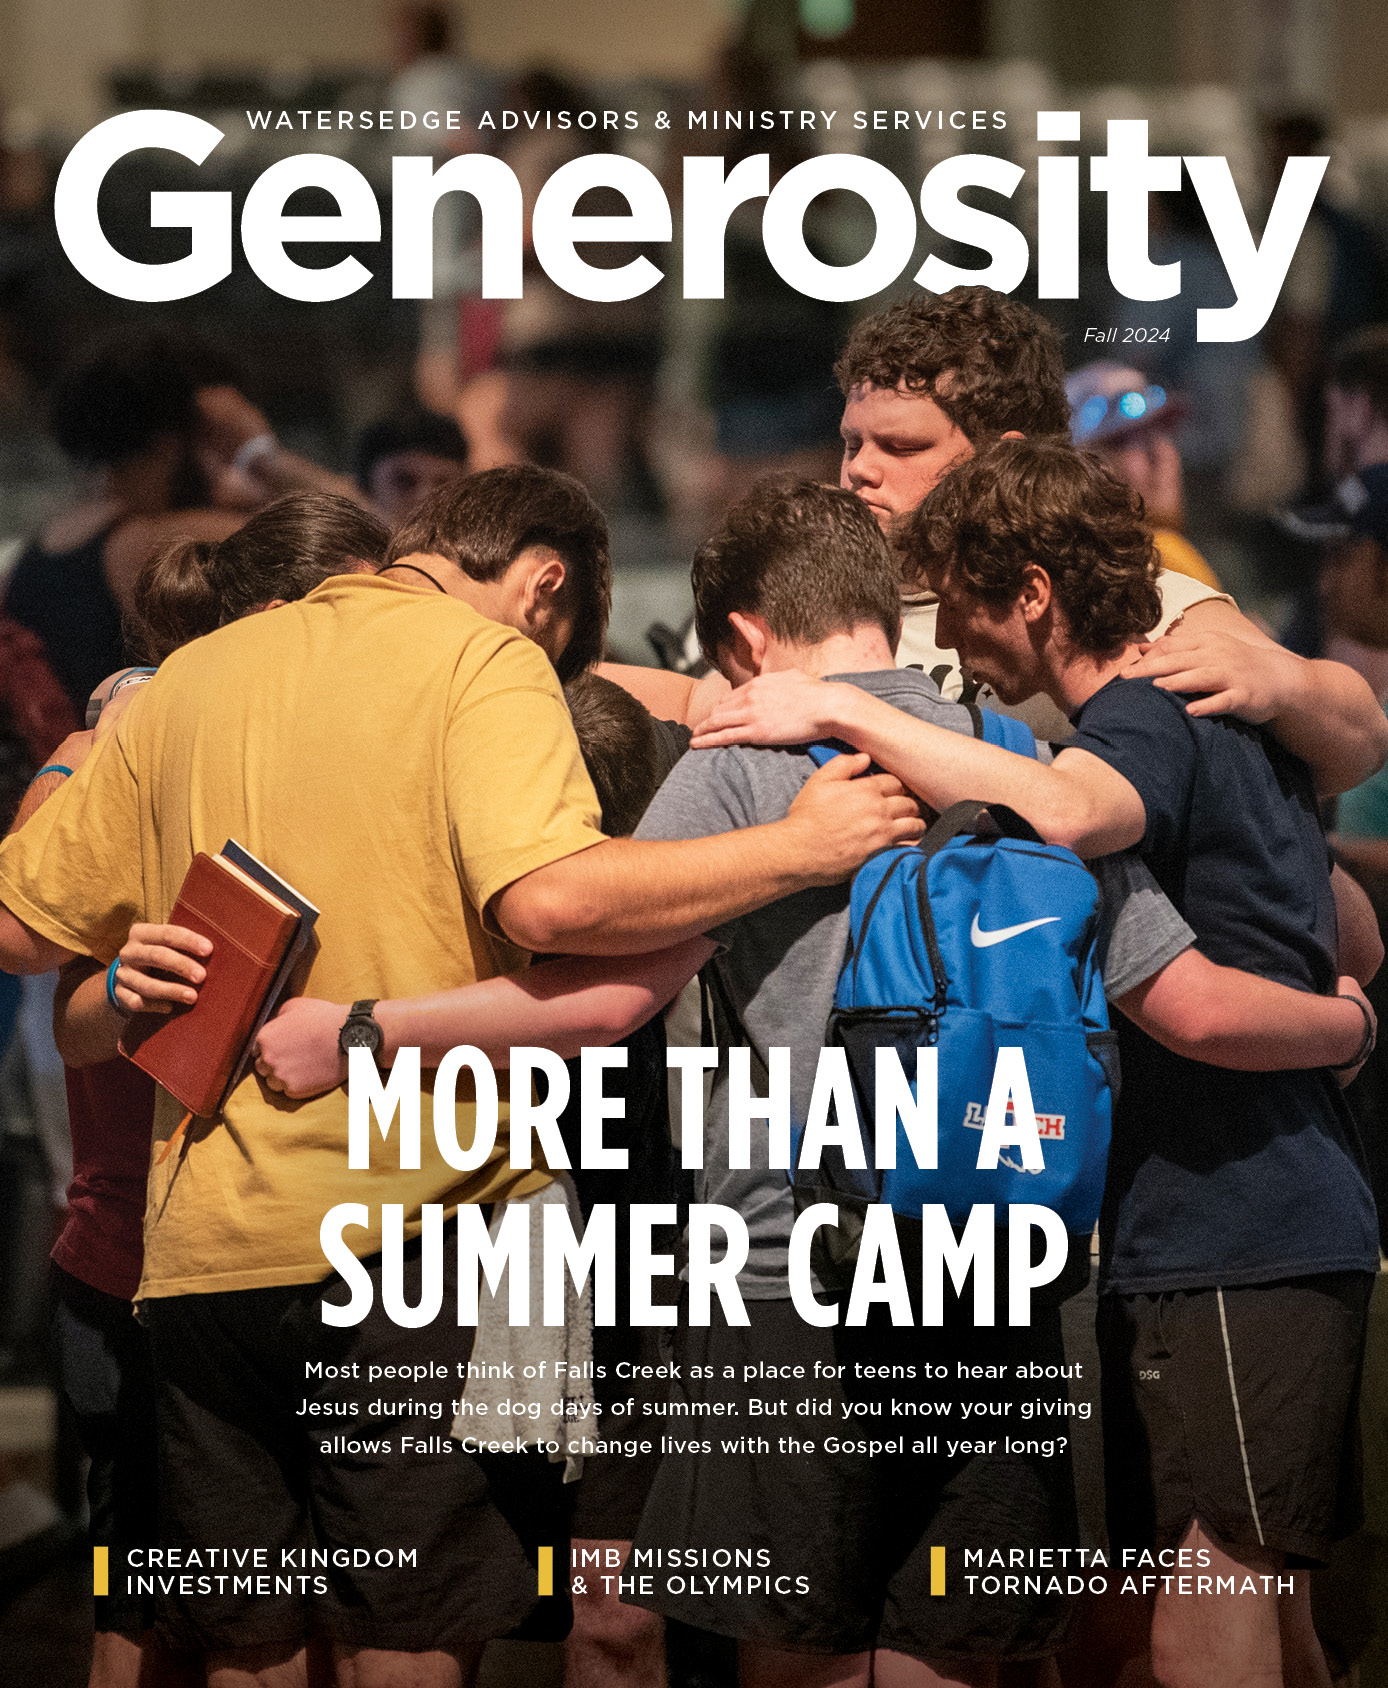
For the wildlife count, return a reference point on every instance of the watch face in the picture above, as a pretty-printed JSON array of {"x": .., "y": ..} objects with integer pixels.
[{"x": 360, "y": 1034}]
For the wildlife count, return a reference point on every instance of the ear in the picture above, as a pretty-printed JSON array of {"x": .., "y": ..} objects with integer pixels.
[
  {"x": 750, "y": 640},
  {"x": 1035, "y": 597},
  {"x": 544, "y": 581}
]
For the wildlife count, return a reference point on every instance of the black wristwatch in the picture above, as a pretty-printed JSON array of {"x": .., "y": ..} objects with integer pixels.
[{"x": 360, "y": 1030}]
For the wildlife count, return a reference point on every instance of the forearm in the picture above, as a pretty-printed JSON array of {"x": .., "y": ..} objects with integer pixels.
[
  {"x": 625, "y": 897},
  {"x": 280, "y": 471},
  {"x": 86, "y": 1028},
  {"x": 564, "y": 1005},
  {"x": 1227, "y": 1018},
  {"x": 944, "y": 767},
  {"x": 1331, "y": 719}
]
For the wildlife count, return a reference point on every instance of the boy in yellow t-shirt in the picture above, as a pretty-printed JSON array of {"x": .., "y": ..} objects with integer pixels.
[{"x": 398, "y": 749}]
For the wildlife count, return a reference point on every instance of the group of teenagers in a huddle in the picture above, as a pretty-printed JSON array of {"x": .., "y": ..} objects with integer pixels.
[{"x": 395, "y": 736}]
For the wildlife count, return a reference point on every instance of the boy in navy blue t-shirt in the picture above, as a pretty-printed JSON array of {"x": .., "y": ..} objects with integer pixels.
[{"x": 1238, "y": 1238}]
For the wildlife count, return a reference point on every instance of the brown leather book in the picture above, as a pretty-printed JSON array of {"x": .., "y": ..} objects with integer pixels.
[{"x": 195, "y": 1053}]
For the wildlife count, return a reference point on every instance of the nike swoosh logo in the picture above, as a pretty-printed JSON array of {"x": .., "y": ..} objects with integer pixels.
[{"x": 984, "y": 940}]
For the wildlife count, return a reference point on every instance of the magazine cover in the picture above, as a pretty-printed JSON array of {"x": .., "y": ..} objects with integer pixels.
[{"x": 692, "y": 822}]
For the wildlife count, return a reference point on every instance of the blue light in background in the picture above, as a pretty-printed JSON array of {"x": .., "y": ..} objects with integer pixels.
[{"x": 1092, "y": 413}]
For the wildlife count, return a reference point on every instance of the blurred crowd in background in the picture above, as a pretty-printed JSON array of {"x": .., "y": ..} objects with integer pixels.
[
  {"x": 666, "y": 407},
  {"x": 1247, "y": 454}
]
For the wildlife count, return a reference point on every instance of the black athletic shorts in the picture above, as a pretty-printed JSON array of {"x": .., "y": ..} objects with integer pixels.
[
  {"x": 789, "y": 1532},
  {"x": 614, "y": 1486},
  {"x": 101, "y": 1356},
  {"x": 365, "y": 1521},
  {"x": 1236, "y": 1407}
]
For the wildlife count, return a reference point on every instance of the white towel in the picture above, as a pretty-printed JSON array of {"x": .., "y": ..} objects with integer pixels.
[{"x": 503, "y": 1351}]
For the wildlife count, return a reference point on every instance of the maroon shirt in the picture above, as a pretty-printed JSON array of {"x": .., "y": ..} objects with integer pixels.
[
  {"x": 42, "y": 713},
  {"x": 111, "y": 1109}
]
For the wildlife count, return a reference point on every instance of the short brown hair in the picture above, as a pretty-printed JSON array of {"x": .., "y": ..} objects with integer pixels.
[
  {"x": 196, "y": 586},
  {"x": 809, "y": 559},
  {"x": 483, "y": 522},
  {"x": 1002, "y": 361},
  {"x": 1360, "y": 365},
  {"x": 1042, "y": 502},
  {"x": 617, "y": 738}
]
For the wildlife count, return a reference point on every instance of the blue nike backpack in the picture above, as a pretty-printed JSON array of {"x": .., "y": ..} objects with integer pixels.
[{"x": 980, "y": 937}]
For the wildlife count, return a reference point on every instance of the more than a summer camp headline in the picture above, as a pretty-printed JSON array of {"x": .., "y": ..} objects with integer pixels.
[{"x": 386, "y": 1115}]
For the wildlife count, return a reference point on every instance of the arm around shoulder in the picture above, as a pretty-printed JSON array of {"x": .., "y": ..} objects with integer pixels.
[{"x": 1321, "y": 711}]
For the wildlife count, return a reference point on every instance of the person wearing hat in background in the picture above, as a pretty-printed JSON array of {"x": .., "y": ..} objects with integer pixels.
[{"x": 1127, "y": 421}]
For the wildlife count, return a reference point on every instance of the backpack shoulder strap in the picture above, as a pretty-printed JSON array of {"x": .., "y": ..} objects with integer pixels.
[
  {"x": 718, "y": 1015},
  {"x": 1003, "y": 730},
  {"x": 965, "y": 817}
]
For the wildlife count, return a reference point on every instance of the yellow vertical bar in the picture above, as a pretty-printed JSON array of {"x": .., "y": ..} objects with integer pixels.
[
  {"x": 101, "y": 1570},
  {"x": 546, "y": 1578},
  {"x": 937, "y": 1570}
]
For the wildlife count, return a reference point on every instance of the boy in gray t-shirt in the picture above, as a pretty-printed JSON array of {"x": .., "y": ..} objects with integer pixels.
[{"x": 777, "y": 967}]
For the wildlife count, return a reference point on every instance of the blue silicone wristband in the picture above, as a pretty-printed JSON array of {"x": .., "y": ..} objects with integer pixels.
[
  {"x": 52, "y": 768},
  {"x": 111, "y": 986}
]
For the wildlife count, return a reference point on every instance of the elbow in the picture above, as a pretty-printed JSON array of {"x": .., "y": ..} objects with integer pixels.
[
  {"x": 1358, "y": 755},
  {"x": 1189, "y": 1025},
  {"x": 542, "y": 918},
  {"x": 1071, "y": 824},
  {"x": 78, "y": 1040},
  {"x": 530, "y": 922},
  {"x": 620, "y": 1017},
  {"x": 1363, "y": 958},
  {"x": 1372, "y": 959},
  {"x": 68, "y": 1046},
  {"x": 1070, "y": 837},
  {"x": 1202, "y": 1032},
  {"x": 1375, "y": 744},
  {"x": 1183, "y": 1032},
  {"x": 1195, "y": 1039},
  {"x": 76, "y": 1053}
]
